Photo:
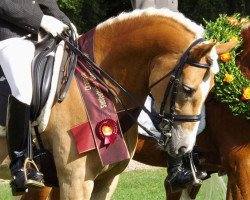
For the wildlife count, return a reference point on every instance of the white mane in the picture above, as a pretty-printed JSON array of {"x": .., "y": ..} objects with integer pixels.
[{"x": 192, "y": 26}]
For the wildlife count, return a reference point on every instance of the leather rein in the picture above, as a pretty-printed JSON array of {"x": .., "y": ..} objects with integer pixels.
[{"x": 94, "y": 70}]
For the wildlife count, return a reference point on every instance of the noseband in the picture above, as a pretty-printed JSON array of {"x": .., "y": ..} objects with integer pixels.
[{"x": 164, "y": 121}]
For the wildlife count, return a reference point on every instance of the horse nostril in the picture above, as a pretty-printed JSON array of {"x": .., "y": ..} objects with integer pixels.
[{"x": 182, "y": 150}]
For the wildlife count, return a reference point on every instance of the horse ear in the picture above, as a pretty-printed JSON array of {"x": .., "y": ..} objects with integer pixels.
[
  {"x": 200, "y": 50},
  {"x": 226, "y": 47}
]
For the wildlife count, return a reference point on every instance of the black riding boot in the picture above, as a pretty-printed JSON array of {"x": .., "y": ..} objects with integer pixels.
[
  {"x": 179, "y": 177},
  {"x": 17, "y": 127}
]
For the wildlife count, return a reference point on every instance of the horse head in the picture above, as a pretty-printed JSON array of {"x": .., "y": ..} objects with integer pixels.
[{"x": 186, "y": 87}]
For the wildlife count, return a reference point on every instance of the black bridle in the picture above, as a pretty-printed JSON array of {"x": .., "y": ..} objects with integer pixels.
[{"x": 164, "y": 121}]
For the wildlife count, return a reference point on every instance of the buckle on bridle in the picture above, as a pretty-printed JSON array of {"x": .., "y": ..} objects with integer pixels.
[
  {"x": 165, "y": 125},
  {"x": 164, "y": 138}
]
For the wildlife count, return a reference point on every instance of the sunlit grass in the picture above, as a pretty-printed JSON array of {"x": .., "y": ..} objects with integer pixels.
[
  {"x": 141, "y": 185},
  {"x": 5, "y": 192},
  {"x": 148, "y": 185}
]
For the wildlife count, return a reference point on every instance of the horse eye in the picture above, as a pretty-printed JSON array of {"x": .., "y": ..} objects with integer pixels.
[{"x": 188, "y": 90}]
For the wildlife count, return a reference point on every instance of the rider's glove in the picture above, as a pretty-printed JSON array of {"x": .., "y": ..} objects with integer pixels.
[
  {"x": 74, "y": 29},
  {"x": 52, "y": 25}
]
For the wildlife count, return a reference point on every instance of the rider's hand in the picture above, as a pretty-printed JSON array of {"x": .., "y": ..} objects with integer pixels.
[{"x": 52, "y": 25}]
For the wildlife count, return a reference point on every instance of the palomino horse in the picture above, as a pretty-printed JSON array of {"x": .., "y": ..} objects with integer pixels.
[
  {"x": 137, "y": 50},
  {"x": 141, "y": 50}
]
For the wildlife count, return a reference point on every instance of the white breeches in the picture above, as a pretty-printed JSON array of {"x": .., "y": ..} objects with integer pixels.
[
  {"x": 142, "y": 4},
  {"x": 145, "y": 120},
  {"x": 16, "y": 55}
]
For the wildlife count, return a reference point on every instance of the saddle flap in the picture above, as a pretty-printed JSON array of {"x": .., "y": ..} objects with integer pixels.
[{"x": 42, "y": 68}]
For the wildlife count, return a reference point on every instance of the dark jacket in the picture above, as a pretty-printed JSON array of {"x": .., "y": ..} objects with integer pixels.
[{"x": 21, "y": 17}]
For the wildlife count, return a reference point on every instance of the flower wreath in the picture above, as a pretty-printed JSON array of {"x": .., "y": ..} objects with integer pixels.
[{"x": 231, "y": 86}]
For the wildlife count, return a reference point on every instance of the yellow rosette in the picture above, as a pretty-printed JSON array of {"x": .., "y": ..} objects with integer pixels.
[{"x": 246, "y": 93}]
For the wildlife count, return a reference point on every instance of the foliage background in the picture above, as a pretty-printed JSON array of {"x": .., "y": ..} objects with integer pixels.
[{"x": 86, "y": 14}]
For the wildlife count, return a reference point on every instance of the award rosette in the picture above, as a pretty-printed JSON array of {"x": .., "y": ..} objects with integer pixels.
[{"x": 107, "y": 131}]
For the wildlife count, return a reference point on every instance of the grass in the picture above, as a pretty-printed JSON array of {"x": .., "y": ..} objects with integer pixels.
[
  {"x": 148, "y": 185},
  {"x": 141, "y": 185},
  {"x": 5, "y": 192}
]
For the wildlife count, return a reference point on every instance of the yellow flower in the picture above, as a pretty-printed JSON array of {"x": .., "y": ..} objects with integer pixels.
[
  {"x": 225, "y": 57},
  {"x": 234, "y": 38},
  {"x": 228, "y": 78},
  {"x": 246, "y": 93}
]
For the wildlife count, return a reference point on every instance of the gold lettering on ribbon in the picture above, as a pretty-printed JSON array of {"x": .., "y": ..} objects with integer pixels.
[
  {"x": 86, "y": 83},
  {"x": 87, "y": 86},
  {"x": 101, "y": 98}
]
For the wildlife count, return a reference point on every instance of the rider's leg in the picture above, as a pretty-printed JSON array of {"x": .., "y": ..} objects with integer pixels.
[
  {"x": 178, "y": 176},
  {"x": 17, "y": 128},
  {"x": 15, "y": 58}
]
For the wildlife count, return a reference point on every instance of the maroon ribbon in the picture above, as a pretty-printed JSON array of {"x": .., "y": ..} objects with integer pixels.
[{"x": 102, "y": 114}]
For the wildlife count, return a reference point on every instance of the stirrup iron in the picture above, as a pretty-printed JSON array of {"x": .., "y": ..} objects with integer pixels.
[
  {"x": 197, "y": 181},
  {"x": 30, "y": 182}
]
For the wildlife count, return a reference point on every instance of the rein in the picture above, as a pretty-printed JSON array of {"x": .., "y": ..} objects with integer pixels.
[
  {"x": 94, "y": 70},
  {"x": 67, "y": 77}
]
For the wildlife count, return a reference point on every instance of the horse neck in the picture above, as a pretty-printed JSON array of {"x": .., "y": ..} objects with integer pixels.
[
  {"x": 244, "y": 60},
  {"x": 126, "y": 50},
  {"x": 244, "y": 63}
]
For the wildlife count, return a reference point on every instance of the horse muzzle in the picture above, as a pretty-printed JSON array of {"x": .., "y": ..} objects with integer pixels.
[{"x": 181, "y": 142}]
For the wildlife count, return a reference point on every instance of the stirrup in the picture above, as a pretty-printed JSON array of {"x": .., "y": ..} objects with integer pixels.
[
  {"x": 31, "y": 182},
  {"x": 197, "y": 181}
]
